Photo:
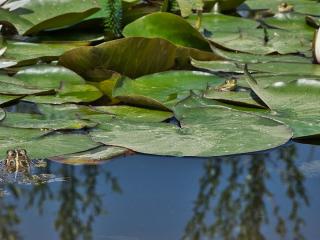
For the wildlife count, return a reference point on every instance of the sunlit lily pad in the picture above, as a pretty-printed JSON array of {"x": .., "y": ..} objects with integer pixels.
[
  {"x": 296, "y": 103},
  {"x": 164, "y": 89},
  {"x": 24, "y": 120},
  {"x": 43, "y": 147},
  {"x": 92, "y": 157},
  {"x": 168, "y": 26},
  {"x": 204, "y": 132}
]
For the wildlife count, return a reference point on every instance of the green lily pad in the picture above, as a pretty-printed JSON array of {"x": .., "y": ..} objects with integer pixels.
[
  {"x": 69, "y": 94},
  {"x": 163, "y": 90},
  {"x": 254, "y": 58},
  {"x": 25, "y": 120},
  {"x": 43, "y": 147},
  {"x": 92, "y": 157},
  {"x": 215, "y": 23},
  {"x": 135, "y": 113},
  {"x": 23, "y": 53},
  {"x": 48, "y": 76},
  {"x": 54, "y": 14},
  {"x": 295, "y": 103},
  {"x": 254, "y": 41},
  {"x": 204, "y": 132},
  {"x": 167, "y": 26},
  {"x": 301, "y": 6},
  {"x": 14, "y": 21},
  {"x": 13, "y": 86}
]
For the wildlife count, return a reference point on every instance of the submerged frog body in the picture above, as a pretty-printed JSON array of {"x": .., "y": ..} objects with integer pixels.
[
  {"x": 285, "y": 8},
  {"x": 229, "y": 85}
]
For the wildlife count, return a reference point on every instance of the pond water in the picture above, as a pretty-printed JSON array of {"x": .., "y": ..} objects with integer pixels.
[{"x": 267, "y": 195}]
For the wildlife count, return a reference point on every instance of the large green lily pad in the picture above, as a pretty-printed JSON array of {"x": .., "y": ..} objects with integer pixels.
[
  {"x": 163, "y": 90},
  {"x": 167, "y": 26},
  {"x": 204, "y": 132},
  {"x": 295, "y": 103},
  {"x": 7, "y": 98}
]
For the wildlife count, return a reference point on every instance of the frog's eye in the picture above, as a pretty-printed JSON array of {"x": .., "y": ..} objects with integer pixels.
[
  {"x": 22, "y": 152},
  {"x": 11, "y": 153}
]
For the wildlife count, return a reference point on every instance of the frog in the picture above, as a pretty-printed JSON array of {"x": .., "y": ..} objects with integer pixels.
[
  {"x": 17, "y": 161},
  {"x": 285, "y": 8},
  {"x": 228, "y": 85}
]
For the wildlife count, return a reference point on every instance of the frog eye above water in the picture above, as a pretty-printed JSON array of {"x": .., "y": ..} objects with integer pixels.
[
  {"x": 11, "y": 153},
  {"x": 22, "y": 152}
]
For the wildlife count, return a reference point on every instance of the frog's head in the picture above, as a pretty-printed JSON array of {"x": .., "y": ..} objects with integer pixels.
[{"x": 285, "y": 7}]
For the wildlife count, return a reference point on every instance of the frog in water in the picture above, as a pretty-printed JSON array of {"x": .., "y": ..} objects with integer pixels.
[
  {"x": 17, "y": 161},
  {"x": 285, "y": 8},
  {"x": 228, "y": 85}
]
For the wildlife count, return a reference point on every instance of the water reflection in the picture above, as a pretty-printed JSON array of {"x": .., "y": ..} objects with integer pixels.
[
  {"x": 235, "y": 201},
  {"x": 79, "y": 202}
]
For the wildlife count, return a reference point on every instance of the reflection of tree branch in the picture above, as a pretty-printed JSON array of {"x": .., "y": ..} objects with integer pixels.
[{"x": 238, "y": 204}]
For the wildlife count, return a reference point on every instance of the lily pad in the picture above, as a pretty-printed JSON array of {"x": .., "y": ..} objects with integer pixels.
[
  {"x": 24, "y": 120},
  {"x": 301, "y": 6},
  {"x": 167, "y": 26},
  {"x": 23, "y": 53},
  {"x": 43, "y": 147},
  {"x": 204, "y": 132},
  {"x": 69, "y": 94},
  {"x": 295, "y": 103},
  {"x": 163, "y": 89},
  {"x": 92, "y": 157},
  {"x": 54, "y": 14},
  {"x": 135, "y": 113},
  {"x": 132, "y": 57},
  {"x": 48, "y": 76}
]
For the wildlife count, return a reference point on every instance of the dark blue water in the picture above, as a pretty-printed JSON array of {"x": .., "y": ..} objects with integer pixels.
[{"x": 268, "y": 195}]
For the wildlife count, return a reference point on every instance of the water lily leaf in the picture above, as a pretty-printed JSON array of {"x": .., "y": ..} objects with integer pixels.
[
  {"x": 43, "y": 147},
  {"x": 14, "y": 21},
  {"x": 23, "y": 53},
  {"x": 253, "y": 58},
  {"x": 164, "y": 89},
  {"x": 129, "y": 56},
  {"x": 25, "y": 120},
  {"x": 167, "y": 26},
  {"x": 2, "y": 114},
  {"x": 7, "y": 98},
  {"x": 257, "y": 41},
  {"x": 54, "y": 14},
  {"x": 69, "y": 94},
  {"x": 135, "y": 113},
  {"x": 48, "y": 76},
  {"x": 13, "y": 86},
  {"x": 204, "y": 132},
  {"x": 132, "y": 57},
  {"x": 295, "y": 103},
  {"x": 301, "y": 6},
  {"x": 214, "y": 23},
  {"x": 92, "y": 157}
]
